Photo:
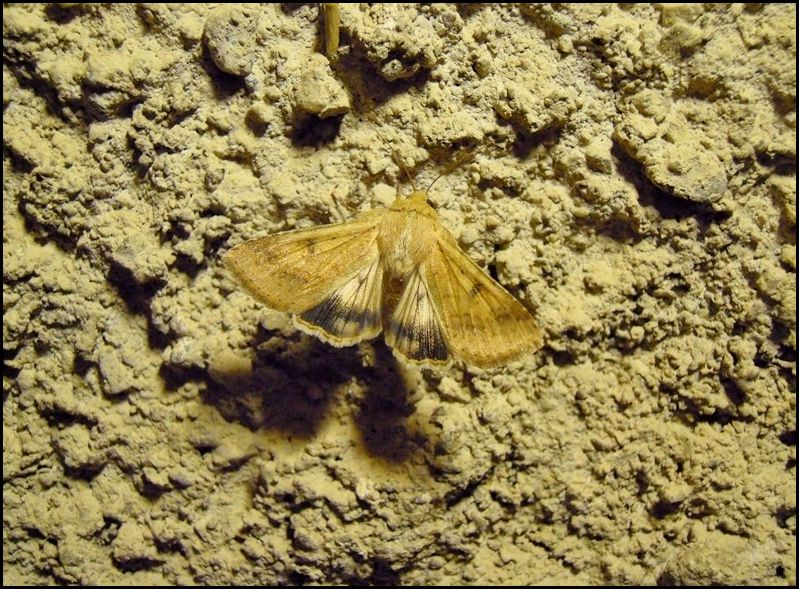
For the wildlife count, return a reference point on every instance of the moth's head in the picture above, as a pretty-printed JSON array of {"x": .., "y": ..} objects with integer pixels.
[
  {"x": 418, "y": 195},
  {"x": 416, "y": 202}
]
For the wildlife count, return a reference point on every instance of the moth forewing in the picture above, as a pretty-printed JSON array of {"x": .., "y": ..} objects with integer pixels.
[
  {"x": 483, "y": 323},
  {"x": 295, "y": 270}
]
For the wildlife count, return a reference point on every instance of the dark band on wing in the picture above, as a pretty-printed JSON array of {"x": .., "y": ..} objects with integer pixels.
[
  {"x": 421, "y": 341},
  {"x": 351, "y": 313},
  {"x": 341, "y": 320}
]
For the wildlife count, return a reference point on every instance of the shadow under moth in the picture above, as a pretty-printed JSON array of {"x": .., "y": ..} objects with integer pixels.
[{"x": 396, "y": 270}]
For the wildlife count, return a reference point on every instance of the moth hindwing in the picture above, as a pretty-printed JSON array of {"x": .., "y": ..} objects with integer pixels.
[{"x": 414, "y": 330}]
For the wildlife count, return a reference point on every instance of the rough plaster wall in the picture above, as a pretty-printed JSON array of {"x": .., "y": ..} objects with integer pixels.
[{"x": 627, "y": 171}]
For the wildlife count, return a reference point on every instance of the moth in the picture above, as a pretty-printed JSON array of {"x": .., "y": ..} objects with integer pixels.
[{"x": 395, "y": 270}]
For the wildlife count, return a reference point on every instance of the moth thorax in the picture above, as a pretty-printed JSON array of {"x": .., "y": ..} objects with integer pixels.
[
  {"x": 398, "y": 256},
  {"x": 405, "y": 241}
]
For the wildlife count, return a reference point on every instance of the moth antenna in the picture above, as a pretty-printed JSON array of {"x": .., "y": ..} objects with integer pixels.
[
  {"x": 404, "y": 169},
  {"x": 397, "y": 159},
  {"x": 436, "y": 180},
  {"x": 458, "y": 161}
]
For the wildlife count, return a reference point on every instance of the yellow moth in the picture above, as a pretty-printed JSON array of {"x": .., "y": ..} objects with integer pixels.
[{"x": 395, "y": 270}]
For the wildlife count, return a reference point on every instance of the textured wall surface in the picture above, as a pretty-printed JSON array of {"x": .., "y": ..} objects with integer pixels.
[{"x": 627, "y": 172}]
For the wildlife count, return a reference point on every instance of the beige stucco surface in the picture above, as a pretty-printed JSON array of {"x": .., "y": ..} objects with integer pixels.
[{"x": 627, "y": 172}]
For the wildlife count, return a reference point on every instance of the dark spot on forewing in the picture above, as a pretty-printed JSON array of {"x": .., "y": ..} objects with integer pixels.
[{"x": 476, "y": 289}]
